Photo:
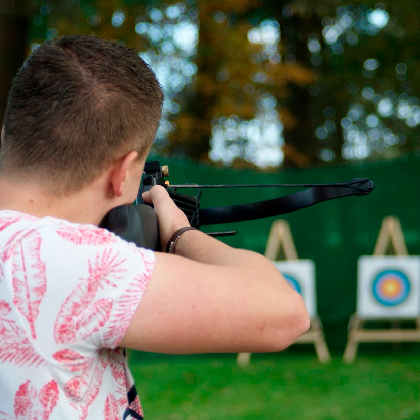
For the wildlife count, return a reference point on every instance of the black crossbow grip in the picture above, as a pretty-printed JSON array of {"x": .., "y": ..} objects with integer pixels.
[{"x": 136, "y": 223}]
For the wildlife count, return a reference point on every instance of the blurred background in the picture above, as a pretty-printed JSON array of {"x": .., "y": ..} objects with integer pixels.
[{"x": 265, "y": 91}]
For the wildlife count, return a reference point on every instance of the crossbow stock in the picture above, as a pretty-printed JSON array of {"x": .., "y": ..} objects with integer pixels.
[{"x": 138, "y": 223}]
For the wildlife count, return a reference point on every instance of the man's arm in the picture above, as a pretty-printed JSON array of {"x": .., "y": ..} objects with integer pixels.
[{"x": 211, "y": 297}]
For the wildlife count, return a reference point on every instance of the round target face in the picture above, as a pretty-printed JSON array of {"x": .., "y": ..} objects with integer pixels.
[
  {"x": 391, "y": 287},
  {"x": 293, "y": 282}
]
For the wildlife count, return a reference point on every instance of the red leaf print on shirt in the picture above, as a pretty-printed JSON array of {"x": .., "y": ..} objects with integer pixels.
[
  {"x": 4, "y": 308},
  {"x": 80, "y": 315},
  {"x": 118, "y": 369},
  {"x": 48, "y": 397},
  {"x": 86, "y": 235},
  {"x": 8, "y": 248},
  {"x": 82, "y": 390},
  {"x": 147, "y": 256},
  {"x": 15, "y": 346},
  {"x": 8, "y": 218},
  {"x": 127, "y": 304},
  {"x": 136, "y": 406},
  {"x": 71, "y": 360},
  {"x": 7, "y": 221},
  {"x": 31, "y": 405},
  {"x": 28, "y": 277},
  {"x": 125, "y": 308},
  {"x": 23, "y": 400},
  {"x": 88, "y": 322},
  {"x": 111, "y": 411}
]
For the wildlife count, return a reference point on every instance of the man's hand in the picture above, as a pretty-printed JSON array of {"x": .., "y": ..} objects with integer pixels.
[{"x": 170, "y": 217}]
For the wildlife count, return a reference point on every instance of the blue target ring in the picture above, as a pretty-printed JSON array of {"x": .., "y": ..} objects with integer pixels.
[
  {"x": 293, "y": 282},
  {"x": 391, "y": 287}
]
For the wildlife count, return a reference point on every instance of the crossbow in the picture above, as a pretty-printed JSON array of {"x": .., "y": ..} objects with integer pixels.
[{"x": 138, "y": 222}]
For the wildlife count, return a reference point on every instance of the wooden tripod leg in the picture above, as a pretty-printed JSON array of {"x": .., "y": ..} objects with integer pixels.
[
  {"x": 350, "y": 352},
  {"x": 243, "y": 359},
  {"x": 320, "y": 345},
  {"x": 322, "y": 351}
]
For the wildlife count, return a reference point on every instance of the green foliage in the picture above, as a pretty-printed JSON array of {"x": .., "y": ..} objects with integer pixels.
[{"x": 90, "y": 17}]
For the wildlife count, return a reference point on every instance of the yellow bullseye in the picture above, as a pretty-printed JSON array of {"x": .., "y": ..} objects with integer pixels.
[{"x": 391, "y": 288}]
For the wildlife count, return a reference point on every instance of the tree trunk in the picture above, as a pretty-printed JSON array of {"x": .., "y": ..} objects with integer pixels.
[
  {"x": 301, "y": 144},
  {"x": 13, "y": 34}
]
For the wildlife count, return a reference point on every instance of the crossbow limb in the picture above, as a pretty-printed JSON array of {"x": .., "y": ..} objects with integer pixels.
[{"x": 313, "y": 194}]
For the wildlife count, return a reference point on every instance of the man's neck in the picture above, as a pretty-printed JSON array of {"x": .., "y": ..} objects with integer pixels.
[{"x": 87, "y": 206}]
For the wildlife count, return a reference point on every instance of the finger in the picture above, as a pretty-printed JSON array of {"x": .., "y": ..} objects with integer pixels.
[
  {"x": 147, "y": 197},
  {"x": 160, "y": 196},
  {"x": 155, "y": 194}
]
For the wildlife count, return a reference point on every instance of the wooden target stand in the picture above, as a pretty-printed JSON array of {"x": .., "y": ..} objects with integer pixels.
[
  {"x": 390, "y": 238},
  {"x": 280, "y": 244}
]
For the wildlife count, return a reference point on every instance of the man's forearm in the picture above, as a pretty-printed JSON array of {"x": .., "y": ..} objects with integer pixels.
[{"x": 198, "y": 246}]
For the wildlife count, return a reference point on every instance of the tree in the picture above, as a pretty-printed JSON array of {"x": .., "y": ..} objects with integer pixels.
[{"x": 13, "y": 33}]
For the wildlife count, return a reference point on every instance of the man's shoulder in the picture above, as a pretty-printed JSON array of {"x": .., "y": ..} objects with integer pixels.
[
  {"x": 12, "y": 222},
  {"x": 63, "y": 242},
  {"x": 81, "y": 234}
]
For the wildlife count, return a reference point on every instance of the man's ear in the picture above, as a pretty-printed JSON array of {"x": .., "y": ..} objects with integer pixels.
[
  {"x": 121, "y": 172},
  {"x": 2, "y": 134}
]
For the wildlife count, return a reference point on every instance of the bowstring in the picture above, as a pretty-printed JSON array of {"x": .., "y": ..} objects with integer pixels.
[{"x": 336, "y": 185}]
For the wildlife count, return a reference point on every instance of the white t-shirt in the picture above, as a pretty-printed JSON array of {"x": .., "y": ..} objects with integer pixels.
[{"x": 67, "y": 294}]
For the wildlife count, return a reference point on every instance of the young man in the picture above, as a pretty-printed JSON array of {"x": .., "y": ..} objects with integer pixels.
[{"x": 81, "y": 116}]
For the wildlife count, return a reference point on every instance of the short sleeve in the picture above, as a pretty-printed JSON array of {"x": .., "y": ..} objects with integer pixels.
[
  {"x": 128, "y": 275},
  {"x": 94, "y": 283}
]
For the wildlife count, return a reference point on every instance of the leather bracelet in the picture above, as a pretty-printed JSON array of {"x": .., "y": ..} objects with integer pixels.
[{"x": 170, "y": 246}]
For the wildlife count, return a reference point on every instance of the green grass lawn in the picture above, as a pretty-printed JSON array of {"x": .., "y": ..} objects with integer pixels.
[{"x": 278, "y": 386}]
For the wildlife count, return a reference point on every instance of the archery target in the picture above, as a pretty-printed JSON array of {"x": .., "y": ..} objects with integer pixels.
[
  {"x": 391, "y": 287},
  {"x": 293, "y": 282},
  {"x": 388, "y": 287},
  {"x": 300, "y": 274}
]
